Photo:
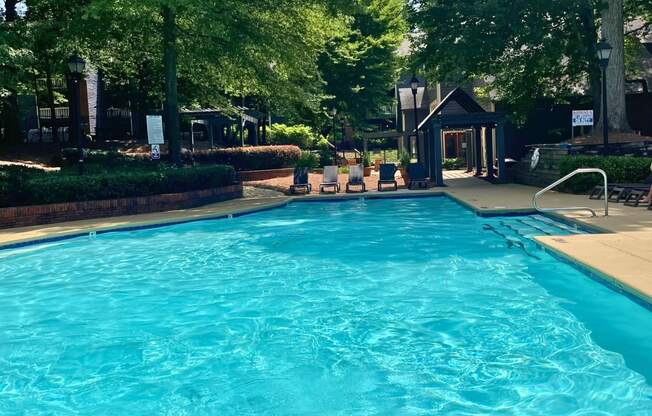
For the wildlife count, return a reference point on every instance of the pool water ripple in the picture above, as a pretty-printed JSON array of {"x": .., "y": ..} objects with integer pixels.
[{"x": 360, "y": 307}]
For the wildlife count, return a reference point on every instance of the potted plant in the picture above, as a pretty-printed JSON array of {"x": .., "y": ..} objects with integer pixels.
[
  {"x": 366, "y": 162},
  {"x": 404, "y": 160}
]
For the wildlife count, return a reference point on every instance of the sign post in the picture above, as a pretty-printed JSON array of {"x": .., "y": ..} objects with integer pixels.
[
  {"x": 155, "y": 135},
  {"x": 581, "y": 118}
]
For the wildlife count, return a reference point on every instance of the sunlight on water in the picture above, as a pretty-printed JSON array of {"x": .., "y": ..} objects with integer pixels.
[{"x": 410, "y": 307}]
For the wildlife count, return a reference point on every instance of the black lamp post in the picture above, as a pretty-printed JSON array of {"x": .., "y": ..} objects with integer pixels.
[
  {"x": 77, "y": 65},
  {"x": 414, "y": 86},
  {"x": 604, "y": 53},
  {"x": 333, "y": 114}
]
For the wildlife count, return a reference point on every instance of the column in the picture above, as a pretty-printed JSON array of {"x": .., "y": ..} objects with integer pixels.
[
  {"x": 489, "y": 151},
  {"x": 478, "y": 150},
  {"x": 500, "y": 151},
  {"x": 435, "y": 138}
]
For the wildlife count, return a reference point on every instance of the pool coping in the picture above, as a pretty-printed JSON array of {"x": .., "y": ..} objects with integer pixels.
[{"x": 611, "y": 281}]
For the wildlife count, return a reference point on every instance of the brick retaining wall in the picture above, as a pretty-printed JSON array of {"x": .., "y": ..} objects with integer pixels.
[
  {"x": 71, "y": 211},
  {"x": 263, "y": 175},
  {"x": 546, "y": 172}
]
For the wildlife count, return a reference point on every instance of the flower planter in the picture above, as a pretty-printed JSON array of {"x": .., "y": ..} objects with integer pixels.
[
  {"x": 404, "y": 175},
  {"x": 367, "y": 171}
]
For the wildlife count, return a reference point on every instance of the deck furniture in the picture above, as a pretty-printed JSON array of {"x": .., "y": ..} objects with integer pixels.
[
  {"x": 417, "y": 176},
  {"x": 329, "y": 179},
  {"x": 387, "y": 176},
  {"x": 356, "y": 178},
  {"x": 301, "y": 181},
  {"x": 636, "y": 196},
  {"x": 619, "y": 192}
]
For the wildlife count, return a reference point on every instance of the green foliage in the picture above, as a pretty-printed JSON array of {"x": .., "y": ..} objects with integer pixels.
[
  {"x": 297, "y": 135},
  {"x": 404, "y": 159},
  {"x": 19, "y": 188},
  {"x": 251, "y": 158},
  {"x": 366, "y": 159},
  {"x": 308, "y": 160},
  {"x": 455, "y": 163},
  {"x": 326, "y": 157},
  {"x": 361, "y": 63},
  {"x": 529, "y": 49},
  {"x": 619, "y": 169}
]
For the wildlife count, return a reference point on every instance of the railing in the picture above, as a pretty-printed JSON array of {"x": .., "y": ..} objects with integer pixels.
[{"x": 535, "y": 199}]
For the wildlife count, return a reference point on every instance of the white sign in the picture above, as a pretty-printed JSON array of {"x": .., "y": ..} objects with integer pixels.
[
  {"x": 582, "y": 118},
  {"x": 246, "y": 117},
  {"x": 156, "y": 152},
  {"x": 155, "y": 129}
]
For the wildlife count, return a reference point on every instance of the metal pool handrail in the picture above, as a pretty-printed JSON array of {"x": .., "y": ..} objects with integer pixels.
[{"x": 535, "y": 199}]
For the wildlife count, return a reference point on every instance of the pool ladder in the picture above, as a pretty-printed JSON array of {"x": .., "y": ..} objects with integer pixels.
[{"x": 535, "y": 199}]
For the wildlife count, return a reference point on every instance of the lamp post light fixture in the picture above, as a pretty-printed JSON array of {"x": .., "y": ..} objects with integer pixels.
[
  {"x": 604, "y": 53},
  {"x": 77, "y": 66},
  {"x": 333, "y": 113},
  {"x": 414, "y": 86}
]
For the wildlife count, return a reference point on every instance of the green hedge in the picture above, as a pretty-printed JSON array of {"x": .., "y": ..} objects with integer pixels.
[
  {"x": 297, "y": 135},
  {"x": 621, "y": 169},
  {"x": 251, "y": 158},
  {"x": 48, "y": 188},
  {"x": 69, "y": 157}
]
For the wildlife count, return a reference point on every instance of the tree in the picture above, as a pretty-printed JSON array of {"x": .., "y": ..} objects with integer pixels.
[
  {"x": 524, "y": 48},
  {"x": 360, "y": 65},
  {"x": 215, "y": 50},
  {"x": 11, "y": 67},
  {"x": 612, "y": 28}
]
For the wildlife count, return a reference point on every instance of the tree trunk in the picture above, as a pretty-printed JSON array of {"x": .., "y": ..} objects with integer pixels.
[
  {"x": 593, "y": 70},
  {"x": 613, "y": 31},
  {"x": 10, "y": 115},
  {"x": 50, "y": 88},
  {"x": 171, "y": 105}
]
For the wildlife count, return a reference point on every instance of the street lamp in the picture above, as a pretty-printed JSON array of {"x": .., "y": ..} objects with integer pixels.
[
  {"x": 76, "y": 66},
  {"x": 414, "y": 86},
  {"x": 333, "y": 113},
  {"x": 604, "y": 53}
]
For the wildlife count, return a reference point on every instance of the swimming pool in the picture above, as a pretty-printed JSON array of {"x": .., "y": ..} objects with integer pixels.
[{"x": 401, "y": 306}]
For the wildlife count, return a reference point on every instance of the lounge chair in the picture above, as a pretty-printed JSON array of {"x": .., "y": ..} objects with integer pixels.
[
  {"x": 301, "y": 181},
  {"x": 416, "y": 176},
  {"x": 636, "y": 196},
  {"x": 356, "y": 178},
  {"x": 618, "y": 192},
  {"x": 329, "y": 179},
  {"x": 387, "y": 172}
]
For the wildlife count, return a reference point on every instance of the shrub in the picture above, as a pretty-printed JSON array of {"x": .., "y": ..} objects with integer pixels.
[
  {"x": 251, "y": 158},
  {"x": 103, "y": 160},
  {"x": 298, "y": 135},
  {"x": 366, "y": 159},
  {"x": 404, "y": 159},
  {"x": 455, "y": 163},
  {"x": 57, "y": 187},
  {"x": 308, "y": 160},
  {"x": 618, "y": 169}
]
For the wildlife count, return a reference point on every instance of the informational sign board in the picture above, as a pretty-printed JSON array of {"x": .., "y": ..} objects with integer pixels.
[
  {"x": 155, "y": 129},
  {"x": 582, "y": 118},
  {"x": 156, "y": 152}
]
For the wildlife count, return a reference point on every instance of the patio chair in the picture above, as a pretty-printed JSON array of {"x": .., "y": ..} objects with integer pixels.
[
  {"x": 417, "y": 176},
  {"x": 387, "y": 172},
  {"x": 301, "y": 181},
  {"x": 636, "y": 196},
  {"x": 329, "y": 179},
  {"x": 618, "y": 192},
  {"x": 356, "y": 178}
]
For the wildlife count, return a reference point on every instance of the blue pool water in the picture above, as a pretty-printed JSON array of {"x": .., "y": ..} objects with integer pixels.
[{"x": 407, "y": 306}]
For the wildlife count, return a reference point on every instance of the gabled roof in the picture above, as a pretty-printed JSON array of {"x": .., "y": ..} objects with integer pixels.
[
  {"x": 407, "y": 99},
  {"x": 463, "y": 100}
]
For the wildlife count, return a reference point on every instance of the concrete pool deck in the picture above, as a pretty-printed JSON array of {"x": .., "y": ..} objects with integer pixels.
[{"x": 622, "y": 254}]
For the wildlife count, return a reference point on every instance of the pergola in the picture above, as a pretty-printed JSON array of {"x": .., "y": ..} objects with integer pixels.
[
  {"x": 216, "y": 121},
  {"x": 460, "y": 110}
]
